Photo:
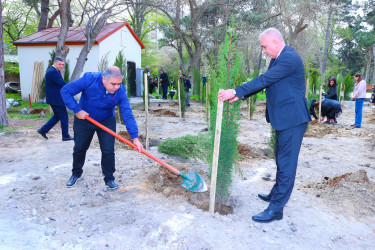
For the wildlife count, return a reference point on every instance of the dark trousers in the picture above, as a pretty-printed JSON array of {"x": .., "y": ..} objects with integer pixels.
[
  {"x": 59, "y": 114},
  {"x": 165, "y": 91},
  {"x": 83, "y": 134},
  {"x": 288, "y": 145}
]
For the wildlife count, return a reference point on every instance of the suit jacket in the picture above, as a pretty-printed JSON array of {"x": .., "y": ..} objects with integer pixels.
[
  {"x": 54, "y": 83},
  {"x": 284, "y": 82}
]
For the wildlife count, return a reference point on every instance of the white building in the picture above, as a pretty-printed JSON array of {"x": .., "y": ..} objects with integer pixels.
[{"x": 113, "y": 38}]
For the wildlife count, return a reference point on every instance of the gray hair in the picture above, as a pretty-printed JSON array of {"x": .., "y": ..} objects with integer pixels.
[
  {"x": 113, "y": 71},
  {"x": 58, "y": 59},
  {"x": 272, "y": 31}
]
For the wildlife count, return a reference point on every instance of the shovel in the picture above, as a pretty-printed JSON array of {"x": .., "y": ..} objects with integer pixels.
[{"x": 192, "y": 181}]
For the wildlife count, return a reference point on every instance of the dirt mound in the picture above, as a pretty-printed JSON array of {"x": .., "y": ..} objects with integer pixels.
[
  {"x": 319, "y": 130},
  {"x": 163, "y": 112},
  {"x": 351, "y": 194},
  {"x": 169, "y": 184},
  {"x": 369, "y": 118},
  {"x": 249, "y": 153}
]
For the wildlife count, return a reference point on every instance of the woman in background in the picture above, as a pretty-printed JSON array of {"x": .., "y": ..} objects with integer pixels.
[
  {"x": 359, "y": 94},
  {"x": 332, "y": 89}
]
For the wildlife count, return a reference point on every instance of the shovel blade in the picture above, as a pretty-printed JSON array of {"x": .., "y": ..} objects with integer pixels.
[{"x": 194, "y": 182}]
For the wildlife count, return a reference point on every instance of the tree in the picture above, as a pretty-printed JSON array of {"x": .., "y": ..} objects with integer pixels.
[
  {"x": 98, "y": 13},
  {"x": 44, "y": 10},
  {"x": 226, "y": 74},
  {"x": 61, "y": 49},
  {"x": 200, "y": 22},
  {"x": 4, "y": 120}
]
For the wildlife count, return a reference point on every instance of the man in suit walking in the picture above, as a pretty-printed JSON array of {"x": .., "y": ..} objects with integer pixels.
[
  {"x": 54, "y": 83},
  {"x": 287, "y": 111}
]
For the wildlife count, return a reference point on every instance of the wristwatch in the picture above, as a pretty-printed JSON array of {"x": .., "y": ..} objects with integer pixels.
[{"x": 234, "y": 92}]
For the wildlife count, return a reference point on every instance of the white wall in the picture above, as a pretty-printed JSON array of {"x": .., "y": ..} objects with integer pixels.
[
  {"x": 120, "y": 40},
  {"x": 27, "y": 55}
]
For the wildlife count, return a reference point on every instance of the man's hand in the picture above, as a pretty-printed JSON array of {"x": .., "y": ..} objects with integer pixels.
[
  {"x": 81, "y": 114},
  {"x": 227, "y": 94},
  {"x": 138, "y": 143}
]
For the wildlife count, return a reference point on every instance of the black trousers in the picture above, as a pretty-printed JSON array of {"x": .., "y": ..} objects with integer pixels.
[{"x": 83, "y": 134}]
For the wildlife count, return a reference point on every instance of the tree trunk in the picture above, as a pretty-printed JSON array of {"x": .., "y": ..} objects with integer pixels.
[
  {"x": 4, "y": 120},
  {"x": 61, "y": 49},
  {"x": 43, "y": 15},
  {"x": 92, "y": 31},
  {"x": 326, "y": 44},
  {"x": 373, "y": 72},
  {"x": 368, "y": 67},
  {"x": 319, "y": 53}
]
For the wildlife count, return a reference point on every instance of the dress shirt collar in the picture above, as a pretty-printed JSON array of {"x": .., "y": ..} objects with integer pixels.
[{"x": 280, "y": 52}]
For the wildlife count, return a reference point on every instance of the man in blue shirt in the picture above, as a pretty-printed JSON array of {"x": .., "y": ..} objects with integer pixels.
[
  {"x": 54, "y": 83},
  {"x": 100, "y": 93}
]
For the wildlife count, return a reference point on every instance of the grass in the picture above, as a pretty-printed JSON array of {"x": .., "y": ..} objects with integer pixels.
[{"x": 261, "y": 95}]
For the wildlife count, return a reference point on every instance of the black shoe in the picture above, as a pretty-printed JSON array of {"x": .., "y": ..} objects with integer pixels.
[
  {"x": 111, "y": 185},
  {"x": 267, "y": 216},
  {"x": 265, "y": 197},
  {"x": 68, "y": 138},
  {"x": 42, "y": 133},
  {"x": 72, "y": 181}
]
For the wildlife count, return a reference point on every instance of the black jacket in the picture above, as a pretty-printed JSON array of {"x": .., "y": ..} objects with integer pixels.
[{"x": 164, "y": 79}]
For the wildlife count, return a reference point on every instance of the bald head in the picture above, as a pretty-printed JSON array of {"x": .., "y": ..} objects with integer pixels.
[{"x": 272, "y": 42}]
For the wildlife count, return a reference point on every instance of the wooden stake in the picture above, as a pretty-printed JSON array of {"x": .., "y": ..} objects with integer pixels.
[
  {"x": 320, "y": 102},
  {"x": 208, "y": 104},
  {"x": 215, "y": 159},
  {"x": 179, "y": 97},
  {"x": 249, "y": 110},
  {"x": 201, "y": 94},
  {"x": 146, "y": 109}
]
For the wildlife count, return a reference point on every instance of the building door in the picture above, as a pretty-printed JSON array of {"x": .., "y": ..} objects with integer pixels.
[{"x": 131, "y": 79}]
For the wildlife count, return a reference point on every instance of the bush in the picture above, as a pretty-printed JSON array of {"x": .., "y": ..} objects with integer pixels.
[{"x": 188, "y": 147}]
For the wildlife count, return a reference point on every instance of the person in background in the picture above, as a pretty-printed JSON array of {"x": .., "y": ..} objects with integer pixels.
[
  {"x": 359, "y": 95},
  {"x": 54, "y": 83},
  {"x": 287, "y": 111},
  {"x": 330, "y": 109},
  {"x": 332, "y": 89},
  {"x": 149, "y": 79},
  {"x": 100, "y": 94},
  {"x": 164, "y": 83},
  {"x": 187, "y": 86}
]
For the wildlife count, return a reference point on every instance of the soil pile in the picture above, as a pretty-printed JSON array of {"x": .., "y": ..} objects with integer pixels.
[
  {"x": 168, "y": 183},
  {"x": 351, "y": 194}
]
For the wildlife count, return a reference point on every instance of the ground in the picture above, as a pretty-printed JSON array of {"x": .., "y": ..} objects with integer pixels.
[{"x": 332, "y": 205}]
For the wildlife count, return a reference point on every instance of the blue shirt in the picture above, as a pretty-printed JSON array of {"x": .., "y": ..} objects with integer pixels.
[{"x": 98, "y": 102}]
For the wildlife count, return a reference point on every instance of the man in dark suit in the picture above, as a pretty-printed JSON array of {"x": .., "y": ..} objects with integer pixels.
[
  {"x": 54, "y": 83},
  {"x": 164, "y": 83},
  {"x": 287, "y": 111}
]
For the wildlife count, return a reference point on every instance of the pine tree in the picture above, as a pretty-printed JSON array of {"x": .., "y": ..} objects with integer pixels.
[{"x": 226, "y": 75}]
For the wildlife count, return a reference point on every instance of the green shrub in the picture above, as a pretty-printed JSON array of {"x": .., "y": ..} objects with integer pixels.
[{"x": 188, "y": 147}]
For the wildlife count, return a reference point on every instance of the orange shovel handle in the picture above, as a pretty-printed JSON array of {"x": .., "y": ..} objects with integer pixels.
[{"x": 132, "y": 145}]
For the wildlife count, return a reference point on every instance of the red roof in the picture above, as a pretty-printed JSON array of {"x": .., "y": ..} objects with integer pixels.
[{"x": 76, "y": 35}]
